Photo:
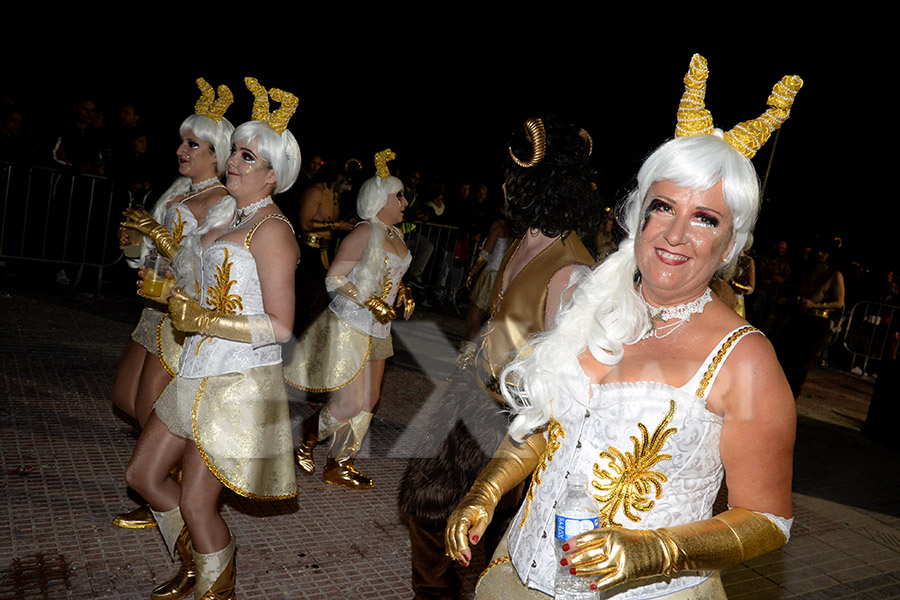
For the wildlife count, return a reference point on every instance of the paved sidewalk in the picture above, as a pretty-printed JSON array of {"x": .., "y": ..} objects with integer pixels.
[{"x": 64, "y": 452}]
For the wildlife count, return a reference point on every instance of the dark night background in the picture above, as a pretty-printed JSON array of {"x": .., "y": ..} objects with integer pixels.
[{"x": 446, "y": 102}]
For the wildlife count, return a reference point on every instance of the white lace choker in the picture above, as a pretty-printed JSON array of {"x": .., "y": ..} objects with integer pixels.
[
  {"x": 202, "y": 186},
  {"x": 682, "y": 313},
  {"x": 242, "y": 214}
]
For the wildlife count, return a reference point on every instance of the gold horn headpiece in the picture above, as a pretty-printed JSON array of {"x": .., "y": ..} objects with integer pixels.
[
  {"x": 210, "y": 105},
  {"x": 381, "y": 160},
  {"x": 746, "y": 137},
  {"x": 537, "y": 135},
  {"x": 278, "y": 119}
]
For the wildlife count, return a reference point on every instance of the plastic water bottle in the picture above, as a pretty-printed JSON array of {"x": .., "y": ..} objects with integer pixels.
[{"x": 576, "y": 513}]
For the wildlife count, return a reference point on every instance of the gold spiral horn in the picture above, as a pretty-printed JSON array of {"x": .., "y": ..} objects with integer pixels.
[
  {"x": 381, "y": 160},
  {"x": 693, "y": 117},
  {"x": 207, "y": 96},
  {"x": 537, "y": 135},
  {"x": 260, "y": 110},
  {"x": 583, "y": 134},
  {"x": 749, "y": 136},
  {"x": 278, "y": 120},
  {"x": 221, "y": 104}
]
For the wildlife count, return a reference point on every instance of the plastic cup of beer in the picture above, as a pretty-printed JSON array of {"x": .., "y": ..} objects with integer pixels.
[{"x": 154, "y": 275}]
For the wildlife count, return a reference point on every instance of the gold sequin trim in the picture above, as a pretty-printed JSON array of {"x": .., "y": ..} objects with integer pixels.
[
  {"x": 195, "y": 429},
  {"x": 717, "y": 359},
  {"x": 491, "y": 565},
  {"x": 633, "y": 480},
  {"x": 261, "y": 221},
  {"x": 555, "y": 434},
  {"x": 159, "y": 348}
]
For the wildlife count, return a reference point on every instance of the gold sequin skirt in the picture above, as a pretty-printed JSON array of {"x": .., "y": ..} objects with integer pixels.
[
  {"x": 169, "y": 344},
  {"x": 241, "y": 425},
  {"x": 501, "y": 582},
  {"x": 481, "y": 291},
  {"x": 145, "y": 332},
  {"x": 330, "y": 354}
]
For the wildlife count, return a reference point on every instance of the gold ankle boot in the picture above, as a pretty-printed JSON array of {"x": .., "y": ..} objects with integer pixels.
[
  {"x": 317, "y": 427},
  {"x": 339, "y": 469},
  {"x": 215, "y": 574},
  {"x": 139, "y": 518},
  {"x": 186, "y": 578}
]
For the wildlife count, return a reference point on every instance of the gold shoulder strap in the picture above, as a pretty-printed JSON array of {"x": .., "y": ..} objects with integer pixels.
[{"x": 261, "y": 221}]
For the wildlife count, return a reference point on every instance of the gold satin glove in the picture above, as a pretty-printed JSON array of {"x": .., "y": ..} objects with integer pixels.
[
  {"x": 140, "y": 219},
  {"x": 405, "y": 298},
  {"x": 511, "y": 464},
  {"x": 473, "y": 272},
  {"x": 382, "y": 311},
  {"x": 619, "y": 555},
  {"x": 190, "y": 317}
]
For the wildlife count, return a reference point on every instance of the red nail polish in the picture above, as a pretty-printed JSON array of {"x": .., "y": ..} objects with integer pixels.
[
  {"x": 475, "y": 539},
  {"x": 564, "y": 562},
  {"x": 566, "y": 547},
  {"x": 593, "y": 586},
  {"x": 572, "y": 571}
]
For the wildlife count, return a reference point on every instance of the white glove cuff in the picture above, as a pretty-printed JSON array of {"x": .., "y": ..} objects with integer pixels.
[{"x": 261, "y": 332}]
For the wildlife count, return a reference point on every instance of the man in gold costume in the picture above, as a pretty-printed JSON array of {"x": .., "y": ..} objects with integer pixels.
[{"x": 549, "y": 196}]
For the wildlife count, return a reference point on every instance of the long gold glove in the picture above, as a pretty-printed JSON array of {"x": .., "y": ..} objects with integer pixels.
[
  {"x": 619, "y": 555},
  {"x": 141, "y": 220},
  {"x": 405, "y": 299},
  {"x": 473, "y": 272},
  {"x": 190, "y": 317},
  {"x": 511, "y": 464},
  {"x": 381, "y": 309}
]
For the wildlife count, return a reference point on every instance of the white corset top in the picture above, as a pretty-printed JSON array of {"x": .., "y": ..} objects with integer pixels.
[
  {"x": 650, "y": 452},
  {"x": 359, "y": 316},
  {"x": 229, "y": 283}
]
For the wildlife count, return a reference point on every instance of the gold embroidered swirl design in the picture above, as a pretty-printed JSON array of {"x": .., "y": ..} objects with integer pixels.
[
  {"x": 491, "y": 565},
  {"x": 218, "y": 297},
  {"x": 387, "y": 283},
  {"x": 632, "y": 480},
  {"x": 555, "y": 434},
  {"x": 178, "y": 227}
]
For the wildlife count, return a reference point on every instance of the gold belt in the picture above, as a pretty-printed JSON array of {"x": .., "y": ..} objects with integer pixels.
[{"x": 314, "y": 240}]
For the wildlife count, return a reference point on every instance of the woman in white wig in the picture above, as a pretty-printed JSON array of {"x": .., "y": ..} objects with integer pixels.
[
  {"x": 225, "y": 415},
  {"x": 634, "y": 391},
  {"x": 151, "y": 357},
  {"x": 344, "y": 350}
]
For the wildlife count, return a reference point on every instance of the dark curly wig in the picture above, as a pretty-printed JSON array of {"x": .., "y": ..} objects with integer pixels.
[{"x": 557, "y": 194}]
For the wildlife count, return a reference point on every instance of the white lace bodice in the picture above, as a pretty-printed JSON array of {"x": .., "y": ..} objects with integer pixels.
[
  {"x": 359, "y": 316},
  {"x": 651, "y": 454}
]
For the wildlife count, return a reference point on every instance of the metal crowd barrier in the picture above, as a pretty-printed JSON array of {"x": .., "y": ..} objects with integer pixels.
[
  {"x": 441, "y": 259},
  {"x": 872, "y": 332},
  {"x": 48, "y": 216}
]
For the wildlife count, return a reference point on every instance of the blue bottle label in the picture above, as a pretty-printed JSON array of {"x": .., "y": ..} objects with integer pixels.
[{"x": 567, "y": 528}]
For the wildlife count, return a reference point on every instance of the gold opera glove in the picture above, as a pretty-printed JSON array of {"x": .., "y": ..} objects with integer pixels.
[
  {"x": 619, "y": 555},
  {"x": 380, "y": 309},
  {"x": 405, "y": 298},
  {"x": 140, "y": 219},
  {"x": 473, "y": 272},
  {"x": 190, "y": 317},
  {"x": 511, "y": 464}
]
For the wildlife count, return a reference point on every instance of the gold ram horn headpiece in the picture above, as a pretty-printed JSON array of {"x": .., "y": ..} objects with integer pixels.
[
  {"x": 278, "y": 119},
  {"x": 746, "y": 137},
  {"x": 210, "y": 105},
  {"x": 537, "y": 135},
  {"x": 381, "y": 160}
]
